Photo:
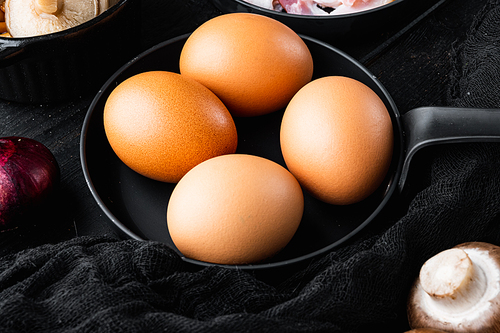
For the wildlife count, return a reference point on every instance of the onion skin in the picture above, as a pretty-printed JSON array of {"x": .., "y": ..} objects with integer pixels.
[{"x": 29, "y": 174}]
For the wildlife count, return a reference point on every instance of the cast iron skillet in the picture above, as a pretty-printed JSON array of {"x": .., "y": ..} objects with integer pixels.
[
  {"x": 136, "y": 205},
  {"x": 59, "y": 66},
  {"x": 367, "y": 22}
]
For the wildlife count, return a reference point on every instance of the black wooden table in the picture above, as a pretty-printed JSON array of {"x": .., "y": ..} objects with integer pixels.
[{"x": 412, "y": 61}]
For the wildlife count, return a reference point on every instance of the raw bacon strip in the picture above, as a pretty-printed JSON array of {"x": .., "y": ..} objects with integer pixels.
[
  {"x": 322, "y": 7},
  {"x": 298, "y": 6}
]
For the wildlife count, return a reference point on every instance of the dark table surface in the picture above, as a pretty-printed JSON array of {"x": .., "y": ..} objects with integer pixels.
[{"x": 412, "y": 61}]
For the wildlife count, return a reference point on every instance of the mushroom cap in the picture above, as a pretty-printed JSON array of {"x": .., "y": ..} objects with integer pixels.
[
  {"x": 26, "y": 18},
  {"x": 479, "y": 317}
]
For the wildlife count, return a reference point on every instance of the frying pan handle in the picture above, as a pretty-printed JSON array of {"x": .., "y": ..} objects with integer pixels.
[{"x": 427, "y": 126}]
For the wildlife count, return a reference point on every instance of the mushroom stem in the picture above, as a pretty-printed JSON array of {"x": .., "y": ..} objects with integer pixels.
[
  {"x": 452, "y": 281},
  {"x": 50, "y": 7},
  {"x": 458, "y": 290}
]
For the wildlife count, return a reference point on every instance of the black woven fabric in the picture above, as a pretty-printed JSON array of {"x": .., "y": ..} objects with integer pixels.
[{"x": 98, "y": 284}]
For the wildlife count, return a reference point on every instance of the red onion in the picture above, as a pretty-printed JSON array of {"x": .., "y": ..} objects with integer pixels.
[{"x": 29, "y": 174}]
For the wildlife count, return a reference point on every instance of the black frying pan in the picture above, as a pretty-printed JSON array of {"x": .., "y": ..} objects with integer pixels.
[{"x": 136, "y": 205}]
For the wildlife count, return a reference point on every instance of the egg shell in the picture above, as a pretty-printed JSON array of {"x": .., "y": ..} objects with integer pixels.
[
  {"x": 162, "y": 124},
  {"x": 337, "y": 139},
  {"x": 253, "y": 63},
  {"x": 234, "y": 209}
]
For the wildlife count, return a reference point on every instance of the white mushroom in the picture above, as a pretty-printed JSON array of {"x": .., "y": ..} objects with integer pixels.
[
  {"x": 25, "y": 18},
  {"x": 458, "y": 290}
]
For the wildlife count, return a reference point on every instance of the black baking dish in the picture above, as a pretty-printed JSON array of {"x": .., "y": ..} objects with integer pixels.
[
  {"x": 354, "y": 25},
  {"x": 69, "y": 63}
]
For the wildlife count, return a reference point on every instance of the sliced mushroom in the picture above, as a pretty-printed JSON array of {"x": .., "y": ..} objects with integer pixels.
[
  {"x": 425, "y": 330},
  {"x": 25, "y": 18},
  {"x": 458, "y": 290},
  {"x": 3, "y": 25}
]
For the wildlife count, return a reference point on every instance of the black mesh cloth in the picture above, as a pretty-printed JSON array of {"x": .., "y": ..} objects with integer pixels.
[{"x": 99, "y": 284}]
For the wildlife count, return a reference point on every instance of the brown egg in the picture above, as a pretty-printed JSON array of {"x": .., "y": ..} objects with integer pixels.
[
  {"x": 161, "y": 124},
  {"x": 234, "y": 209},
  {"x": 337, "y": 139},
  {"x": 253, "y": 63}
]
